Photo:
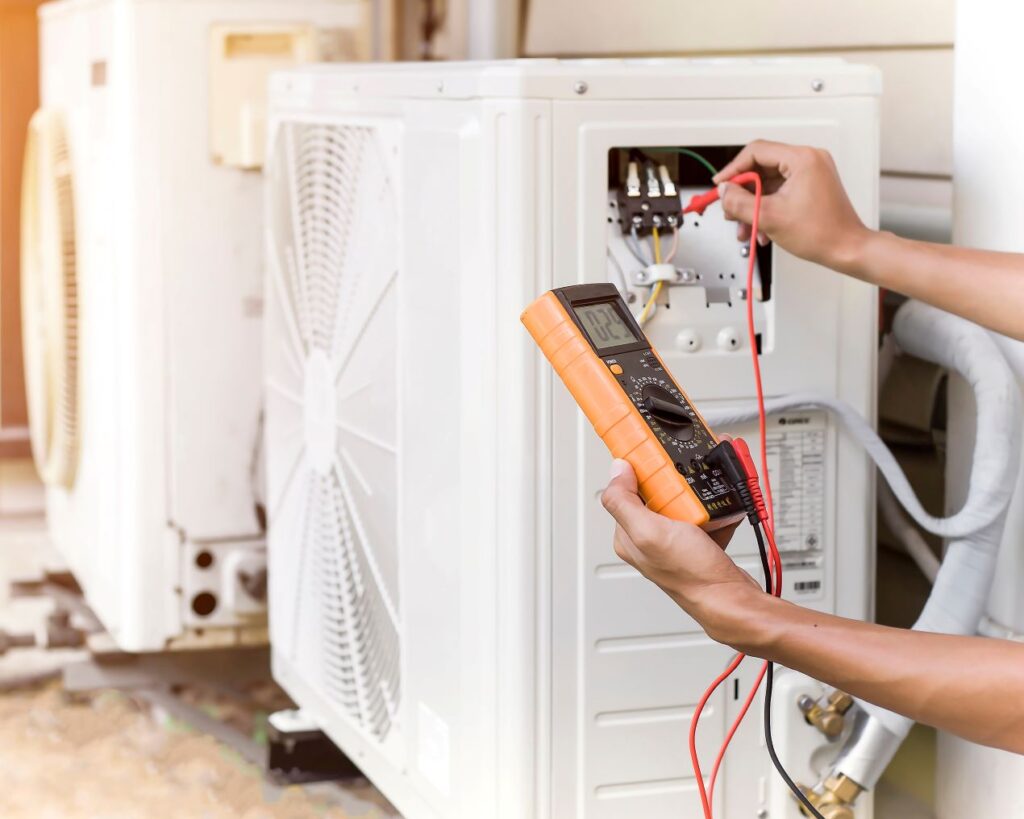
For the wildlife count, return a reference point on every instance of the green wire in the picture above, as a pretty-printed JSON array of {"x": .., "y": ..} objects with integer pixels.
[{"x": 692, "y": 154}]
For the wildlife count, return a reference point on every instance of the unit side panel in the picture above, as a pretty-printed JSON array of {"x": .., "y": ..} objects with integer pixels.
[
  {"x": 623, "y": 697},
  {"x": 515, "y": 197},
  {"x": 84, "y": 70}
]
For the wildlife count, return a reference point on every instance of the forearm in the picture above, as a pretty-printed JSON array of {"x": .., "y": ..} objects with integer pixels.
[
  {"x": 971, "y": 686},
  {"x": 983, "y": 286}
]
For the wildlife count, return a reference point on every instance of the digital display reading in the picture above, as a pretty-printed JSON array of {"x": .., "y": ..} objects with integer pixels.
[{"x": 605, "y": 326}]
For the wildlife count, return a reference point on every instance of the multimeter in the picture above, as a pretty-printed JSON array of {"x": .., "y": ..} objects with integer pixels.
[{"x": 628, "y": 395}]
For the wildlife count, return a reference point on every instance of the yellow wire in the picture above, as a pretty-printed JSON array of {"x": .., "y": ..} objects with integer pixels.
[{"x": 657, "y": 287}]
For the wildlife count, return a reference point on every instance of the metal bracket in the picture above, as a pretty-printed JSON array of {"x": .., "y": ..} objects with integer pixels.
[
  {"x": 670, "y": 274},
  {"x": 301, "y": 752}
]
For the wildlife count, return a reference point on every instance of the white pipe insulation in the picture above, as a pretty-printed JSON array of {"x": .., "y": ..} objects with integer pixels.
[{"x": 956, "y": 344}]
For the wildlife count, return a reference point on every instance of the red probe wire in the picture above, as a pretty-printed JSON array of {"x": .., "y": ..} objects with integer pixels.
[{"x": 697, "y": 205}]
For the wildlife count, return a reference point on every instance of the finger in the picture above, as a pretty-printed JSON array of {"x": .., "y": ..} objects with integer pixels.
[
  {"x": 759, "y": 154},
  {"x": 625, "y": 549},
  {"x": 737, "y": 203},
  {"x": 743, "y": 233},
  {"x": 622, "y": 500},
  {"x": 762, "y": 238}
]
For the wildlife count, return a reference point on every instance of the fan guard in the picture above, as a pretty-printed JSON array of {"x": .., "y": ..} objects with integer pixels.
[
  {"x": 332, "y": 419},
  {"x": 49, "y": 299}
]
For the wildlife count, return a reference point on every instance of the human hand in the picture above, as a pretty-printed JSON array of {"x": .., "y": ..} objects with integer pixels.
[
  {"x": 686, "y": 562},
  {"x": 804, "y": 208}
]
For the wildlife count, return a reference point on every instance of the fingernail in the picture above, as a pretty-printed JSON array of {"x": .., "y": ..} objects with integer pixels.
[
  {"x": 762, "y": 239},
  {"x": 722, "y": 188},
  {"x": 618, "y": 468}
]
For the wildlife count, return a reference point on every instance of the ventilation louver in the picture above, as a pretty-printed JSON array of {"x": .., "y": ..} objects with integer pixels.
[
  {"x": 332, "y": 397},
  {"x": 49, "y": 299}
]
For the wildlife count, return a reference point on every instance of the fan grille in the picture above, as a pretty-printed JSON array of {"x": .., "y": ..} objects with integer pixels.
[
  {"x": 334, "y": 273},
  {"x": 49, "y": 297}
]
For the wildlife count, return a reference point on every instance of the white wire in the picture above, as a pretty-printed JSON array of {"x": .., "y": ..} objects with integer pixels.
[
  {"x": 623, "y": 286},
  {"x": 636, "y": 247}
]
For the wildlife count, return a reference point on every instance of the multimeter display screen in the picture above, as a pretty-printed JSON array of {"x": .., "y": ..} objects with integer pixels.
[{"x": 605, "y": 326}]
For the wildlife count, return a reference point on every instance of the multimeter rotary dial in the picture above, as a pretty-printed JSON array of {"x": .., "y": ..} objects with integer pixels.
[
  {"x": 664, "y": 406},
  {"x": 671, "y": 415}
]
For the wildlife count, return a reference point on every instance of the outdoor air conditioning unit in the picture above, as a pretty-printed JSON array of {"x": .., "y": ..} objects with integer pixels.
[
  {"x": 142, "y": 301},
  {"x": 444, "y": 598}
]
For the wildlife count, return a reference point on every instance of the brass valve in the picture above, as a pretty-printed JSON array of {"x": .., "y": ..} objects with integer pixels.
[
  {"x": 836, "y": 799},
  {"x": 830, "y": 717}
]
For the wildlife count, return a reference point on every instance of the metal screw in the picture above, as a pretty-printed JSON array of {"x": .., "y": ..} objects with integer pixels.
[
  {"x": 762, "y": 814},
  {"x": 805, "y": 703},
  {"x": 630, "y": 297},
  {"x": 580, "y": 87},
  {"x": 744, "y": 251},
  {"x": 686, "y": 275},
  {"x": 742, "y": 294},
  {"x": 817, "y": 85},
  {"x": 641, "y": 276}
]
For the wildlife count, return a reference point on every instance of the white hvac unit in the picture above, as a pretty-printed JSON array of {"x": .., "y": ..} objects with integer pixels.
[
  {"x": 142, "y": 301},
  {"x": 444, "y": 598}
]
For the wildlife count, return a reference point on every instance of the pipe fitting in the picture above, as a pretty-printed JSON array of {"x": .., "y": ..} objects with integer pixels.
[
  {"x": 835, "y": 799},
  {"x": 829, "y": 716}
]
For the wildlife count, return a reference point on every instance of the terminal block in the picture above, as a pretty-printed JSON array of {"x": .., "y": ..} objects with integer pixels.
[{"x": 649, "y": 198}]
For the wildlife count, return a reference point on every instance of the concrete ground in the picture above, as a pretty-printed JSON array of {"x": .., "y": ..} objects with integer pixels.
[{"x": 112, "y": 755}]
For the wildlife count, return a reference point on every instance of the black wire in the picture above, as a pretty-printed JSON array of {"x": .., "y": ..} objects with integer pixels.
[
  {"x": 763, "y": 551},
  {"x": 799, "y": 794}
]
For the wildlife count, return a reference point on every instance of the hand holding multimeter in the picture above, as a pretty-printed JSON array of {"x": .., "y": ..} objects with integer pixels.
[{"x": 634, "y": 404}]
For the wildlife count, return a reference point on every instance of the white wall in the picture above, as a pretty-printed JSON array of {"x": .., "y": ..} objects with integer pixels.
[{"x": 910, "y": 40}]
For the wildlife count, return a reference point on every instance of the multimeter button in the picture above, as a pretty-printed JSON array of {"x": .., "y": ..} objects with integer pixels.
[{"x": 615, "y": 368}]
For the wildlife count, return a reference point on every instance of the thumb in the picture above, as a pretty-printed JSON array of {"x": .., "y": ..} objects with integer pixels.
[
  {"x": 621, "y": 497},
  {"x": 737, "y": 203},
  {"x": 623, "y": 477}
]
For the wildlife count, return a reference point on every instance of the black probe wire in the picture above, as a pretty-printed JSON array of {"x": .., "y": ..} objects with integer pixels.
[{"x": 797, "y": 792}]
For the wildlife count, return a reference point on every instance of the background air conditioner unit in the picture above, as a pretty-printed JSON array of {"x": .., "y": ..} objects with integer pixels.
[
  {"x": 444, "y": 598},
  {"x": 142, "y": 303}
]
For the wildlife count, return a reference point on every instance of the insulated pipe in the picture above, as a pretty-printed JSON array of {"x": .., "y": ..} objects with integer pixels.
[
  {"x": 904, "y": 531},
  {"x": 956, "y": 344},
  {"x": 964, "y": 582}
]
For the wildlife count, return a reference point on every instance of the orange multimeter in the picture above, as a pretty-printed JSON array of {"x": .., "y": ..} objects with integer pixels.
[{"x": 623, "y": 387}]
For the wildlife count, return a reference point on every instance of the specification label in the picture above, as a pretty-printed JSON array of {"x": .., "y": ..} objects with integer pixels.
[{"x": 796, "y": 463}]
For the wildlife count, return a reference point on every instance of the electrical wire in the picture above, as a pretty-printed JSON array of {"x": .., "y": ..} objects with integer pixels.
[
  {"x": 769, "y": 742},
  {"x": 762, "y": 418},
  {"x": 675, "y": 244},
  {"x": 632, "y": 240},
  {"x": 695, "y": 720},
  {"x": 773, "y": 580},
  {"x": 623, "y": 285},
  {"x": 656, "y": 289},
  {"x": 693, "y": 155}
]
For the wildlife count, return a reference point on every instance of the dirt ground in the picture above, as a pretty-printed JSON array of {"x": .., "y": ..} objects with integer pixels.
[
  {"x": 107, "y": 757},
  {"x": 112, "y": 755}
]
